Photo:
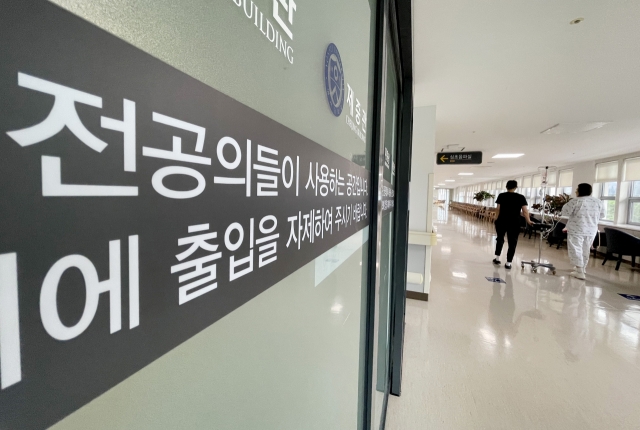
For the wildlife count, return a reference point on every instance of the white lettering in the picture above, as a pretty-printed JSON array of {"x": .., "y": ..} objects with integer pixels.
[
  {"x": 290, "y": 54},
  {"x": 159, "y": 176},
  {"x": 49, "y": 294},
  {"x": 249, "y": 15},
  {"x": 273, "y": 32},
  {"x": 134, "y": 282},
  {"x": 289, "y": 6},
  {"x": 268, "y": 29},
  {"x": 10, "y": 359},
  {"x": 52, "y": 185},
  {"x": 256, "y": 21},
  {"x": 261, "y": 21}
]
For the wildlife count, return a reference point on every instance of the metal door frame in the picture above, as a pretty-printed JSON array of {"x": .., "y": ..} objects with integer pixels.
[{"x": 394, "y": 22}]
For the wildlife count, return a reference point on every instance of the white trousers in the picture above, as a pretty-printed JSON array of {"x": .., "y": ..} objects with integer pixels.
[{"x": 579, "y": 249}]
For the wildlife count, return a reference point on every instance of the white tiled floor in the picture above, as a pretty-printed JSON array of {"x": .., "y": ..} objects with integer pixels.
[{"x": 539, "y": 352}]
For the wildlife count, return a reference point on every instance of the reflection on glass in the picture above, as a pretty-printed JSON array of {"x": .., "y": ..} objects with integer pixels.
[
  {"x": 383, "y": 294},
  {"x": 609, "y": 189},
  {"x": 609, "y": 209},
  {"x": 634, "y": 211}
]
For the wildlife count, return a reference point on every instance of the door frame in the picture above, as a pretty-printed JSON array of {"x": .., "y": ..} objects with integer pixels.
[{"x": 393, "y": 20}]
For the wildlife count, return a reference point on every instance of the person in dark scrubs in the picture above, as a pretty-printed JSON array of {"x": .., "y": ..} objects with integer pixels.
[{"x": 511, "y": 207}]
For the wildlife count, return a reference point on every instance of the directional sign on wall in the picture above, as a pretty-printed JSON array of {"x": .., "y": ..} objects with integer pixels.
[{"x": 452, "y": 158}]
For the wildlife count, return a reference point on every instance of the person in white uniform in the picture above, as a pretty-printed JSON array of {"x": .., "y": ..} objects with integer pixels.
[{"x": 584, "y": 213}]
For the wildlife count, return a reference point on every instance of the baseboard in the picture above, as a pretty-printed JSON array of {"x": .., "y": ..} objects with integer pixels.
[{"x": 418, "y": 296}]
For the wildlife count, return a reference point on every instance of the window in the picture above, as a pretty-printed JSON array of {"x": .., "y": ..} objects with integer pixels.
[
  {"x": 526, "y": 187},
  {"x": 608, "y": 192},
  {"x": 607, "y": 180},
  {"x": 565, "y": 182},
  {"x": 634, "y": 204},
  {"x": 551, "y": 184},
  {"x": 631, "y": 174},
  {"x": 537, "y": 189}
]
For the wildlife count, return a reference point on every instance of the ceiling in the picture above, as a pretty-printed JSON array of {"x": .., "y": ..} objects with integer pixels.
[{"x": 501, "y": 72}]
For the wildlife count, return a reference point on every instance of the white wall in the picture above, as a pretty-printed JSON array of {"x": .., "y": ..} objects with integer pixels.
[
  {"x": 583, "y": 173},
  {"x": 421, "y": 190},
  {"x": 423, "y": 161}
]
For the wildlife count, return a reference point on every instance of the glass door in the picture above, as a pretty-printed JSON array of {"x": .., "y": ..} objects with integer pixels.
[
  {"x": 186, "y": 214},
  {"x": 384, "y": 275}
]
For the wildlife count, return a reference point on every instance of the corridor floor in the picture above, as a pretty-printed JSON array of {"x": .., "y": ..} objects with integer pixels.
[{"x": 539, "y": 352}]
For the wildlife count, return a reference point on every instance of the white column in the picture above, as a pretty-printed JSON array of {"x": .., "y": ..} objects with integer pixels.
[{"x": 421, "y": 194}]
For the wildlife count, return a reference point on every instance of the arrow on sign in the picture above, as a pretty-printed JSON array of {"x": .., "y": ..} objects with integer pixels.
[{"x": 443, "y": 158}]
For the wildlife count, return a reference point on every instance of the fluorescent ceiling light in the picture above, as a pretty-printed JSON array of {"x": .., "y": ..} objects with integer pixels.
[
  {"x": 574, "y": 127},
  {"x": 507, "y": 156},
  {"x": 441, "y": 185},
  {"x": 465, "y": 174},
  {"x": 449, "y": 180}
]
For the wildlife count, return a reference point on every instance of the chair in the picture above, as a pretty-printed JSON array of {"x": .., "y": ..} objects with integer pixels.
[
  {"x": 600, "y": 240},
  {"x": 493, "y": 215},
  {"x": 557, "y": 236},
  {"x": 531, "y": 229},
  {"x": 621, "y": 243},
  {"x": 482, "y": 213}
]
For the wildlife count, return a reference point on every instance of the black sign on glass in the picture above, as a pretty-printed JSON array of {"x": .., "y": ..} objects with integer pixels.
[
  {"x": 139, "y": 206},
  {"x": 453, "y": 158}
]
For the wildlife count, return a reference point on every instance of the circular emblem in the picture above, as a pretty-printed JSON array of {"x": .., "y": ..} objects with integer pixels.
[{"x": 334, "y": 79}]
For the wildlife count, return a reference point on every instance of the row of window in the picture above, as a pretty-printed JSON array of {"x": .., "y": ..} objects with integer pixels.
[
  {"x": 617, "y": 184},
  {"x": 608, "y": 192},
  {"x": 619, "y": 189},
  {"x": 529, "y": 186}
]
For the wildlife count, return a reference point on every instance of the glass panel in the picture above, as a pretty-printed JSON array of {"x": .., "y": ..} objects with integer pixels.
[
  {"x": 383, "y": 283},
  {"x": 634, "y": 212},
  {"x": 291, "y": 358},
  {"x": 610, "y": 209},
  {"x": 635, "y": 189},
  {"x": 609, "y": 189}
]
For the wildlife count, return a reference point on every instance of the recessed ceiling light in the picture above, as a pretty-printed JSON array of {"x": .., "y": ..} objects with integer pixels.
[
  {"x": 441, "y": 184},
  {"x": 507, "y": 156},
  {"x": 449, "y": 180},
  {"x": 574, "y": 127},
  {"x": 576, "y": 21},
  {"x": 465, "y": 174}
]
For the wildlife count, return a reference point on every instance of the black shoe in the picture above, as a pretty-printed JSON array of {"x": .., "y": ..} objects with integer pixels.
[
  {"x": 496, "y": 262},
  {"x": 507, "y": 266}
]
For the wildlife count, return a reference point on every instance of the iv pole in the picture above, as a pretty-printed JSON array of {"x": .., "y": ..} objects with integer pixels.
[{"x": 545, "y": 229}]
